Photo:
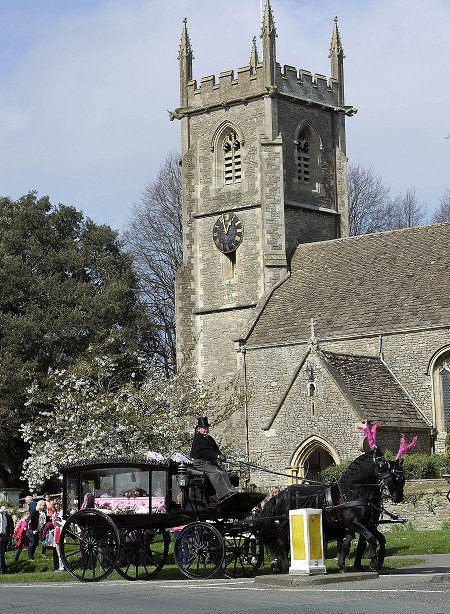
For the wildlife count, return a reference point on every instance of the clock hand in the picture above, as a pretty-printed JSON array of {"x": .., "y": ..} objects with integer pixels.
[
  {"x": 229, "y": 224},
  {"x": 224, "y": 224}
]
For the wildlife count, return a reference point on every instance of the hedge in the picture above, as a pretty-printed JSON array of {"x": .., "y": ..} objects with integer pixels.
[{"x": 415, "y": 466}]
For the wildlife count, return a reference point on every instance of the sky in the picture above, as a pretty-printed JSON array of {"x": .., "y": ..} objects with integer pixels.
[{"x": 86, "y": 86}]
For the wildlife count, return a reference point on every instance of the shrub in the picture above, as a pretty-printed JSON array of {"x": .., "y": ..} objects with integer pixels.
[
  {"x": 424, "y": 466},
  {"x": 334, "y": 472},
  {"x": 416, "y": 467}
]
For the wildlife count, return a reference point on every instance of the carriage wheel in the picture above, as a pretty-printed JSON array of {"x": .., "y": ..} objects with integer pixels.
[
  {"x": 143, "y": 553},
  {"x": 89, "y": 545},
  {"x": 244, "y": 553},
  {"x": 199, "y": 550}
]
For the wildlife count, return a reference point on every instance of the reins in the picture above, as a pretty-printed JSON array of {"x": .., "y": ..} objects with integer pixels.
[{"x": 265, "y": 470}]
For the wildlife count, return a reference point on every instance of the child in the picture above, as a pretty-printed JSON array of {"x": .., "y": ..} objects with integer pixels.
[{"x": 23, "y": 534}]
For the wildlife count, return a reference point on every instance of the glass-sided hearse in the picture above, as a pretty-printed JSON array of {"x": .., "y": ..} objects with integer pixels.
[
  {"x": 118, "y": 513},
  {"x": 128, "y": 486}
]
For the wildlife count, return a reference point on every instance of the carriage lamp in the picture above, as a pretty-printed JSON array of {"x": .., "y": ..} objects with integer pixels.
[{"x": 182, "y": 475}]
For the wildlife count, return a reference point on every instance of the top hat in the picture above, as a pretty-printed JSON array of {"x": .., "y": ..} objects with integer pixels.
[{"x": 203, "y": 422}]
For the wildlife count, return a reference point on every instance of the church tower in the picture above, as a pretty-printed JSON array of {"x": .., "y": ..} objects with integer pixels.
[{"x": 264, "y": 169}]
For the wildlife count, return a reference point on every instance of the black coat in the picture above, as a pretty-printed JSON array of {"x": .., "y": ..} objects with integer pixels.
[
  {"x": 34, "y": 520},
  {"x": 9, "y": 525},
  {"x": 204, "y": 447}
]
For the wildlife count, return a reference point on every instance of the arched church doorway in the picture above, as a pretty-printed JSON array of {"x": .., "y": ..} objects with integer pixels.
[
  {"x": 312, "y": 457},
  {"x": 439, "y": 369}
]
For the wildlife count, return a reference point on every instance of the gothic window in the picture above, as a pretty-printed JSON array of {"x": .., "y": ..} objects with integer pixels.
[
  {"x": 303, "y": 157},
  {"x": 444, "y": 374},
  {"x": 307, "y": 157},
  {"x": 231, "y": 147}
]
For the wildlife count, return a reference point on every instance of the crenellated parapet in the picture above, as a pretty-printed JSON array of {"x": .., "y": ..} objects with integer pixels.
[
  {"x": 262, "y": 78},
  {"x": 306, "y": 86},
  {"x": 249, "y": 83},
  {"x": 229, "y": 88}
]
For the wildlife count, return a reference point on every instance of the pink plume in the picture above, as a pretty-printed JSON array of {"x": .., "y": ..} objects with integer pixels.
[
  {"x": 370, "y": 433},
  {"x": 404, "y": 446}
]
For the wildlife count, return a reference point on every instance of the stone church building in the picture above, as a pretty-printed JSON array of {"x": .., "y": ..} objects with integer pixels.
[{"x": 324, "y": 330}]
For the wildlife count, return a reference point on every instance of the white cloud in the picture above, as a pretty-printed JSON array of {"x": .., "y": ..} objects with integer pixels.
[{"x": 86, "y": 87}]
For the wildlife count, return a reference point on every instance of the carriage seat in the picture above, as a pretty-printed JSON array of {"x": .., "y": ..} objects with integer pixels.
[{"x": 195, "y": 477}]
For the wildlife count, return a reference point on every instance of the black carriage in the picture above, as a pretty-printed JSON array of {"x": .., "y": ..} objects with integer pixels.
[{"x": 132, "y": 504}]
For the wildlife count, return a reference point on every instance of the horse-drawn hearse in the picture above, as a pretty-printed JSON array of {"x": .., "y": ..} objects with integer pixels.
[{"x": 129, "y": 505}]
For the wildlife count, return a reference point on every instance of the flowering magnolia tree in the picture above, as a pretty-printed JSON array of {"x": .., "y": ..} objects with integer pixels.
[{"x": 87, "y": 416}]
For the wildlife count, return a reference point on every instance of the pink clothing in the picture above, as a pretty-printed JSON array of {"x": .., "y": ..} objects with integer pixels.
[
  {"x": 20, "y": 534},
  {"x": 57, "y": 519},
  {"x": 180, "y": 528}
]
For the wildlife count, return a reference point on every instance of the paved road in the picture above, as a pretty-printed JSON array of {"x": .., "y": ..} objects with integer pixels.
[{"x": 421, "y": 590}]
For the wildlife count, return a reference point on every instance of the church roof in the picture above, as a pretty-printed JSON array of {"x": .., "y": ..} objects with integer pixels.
[
  {"x": 373, "y": 391},
  {"x": 370, "y": 284}
]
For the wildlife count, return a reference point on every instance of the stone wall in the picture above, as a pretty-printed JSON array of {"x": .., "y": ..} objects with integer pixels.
[
  {"x": 271, "y": 371},
  {"x": 425, "y": 505}
]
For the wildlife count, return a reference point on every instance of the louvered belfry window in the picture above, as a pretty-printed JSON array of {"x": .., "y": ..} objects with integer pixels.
[
  {"x": 232, "y": 158},
  {"x": 303, "y": 157}
]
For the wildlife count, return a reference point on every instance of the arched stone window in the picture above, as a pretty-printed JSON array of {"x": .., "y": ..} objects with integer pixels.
[
  {"x": 231, "y": 146},
  {"x": 227, "y": 143},
  {"x": 308, "y": 159}
]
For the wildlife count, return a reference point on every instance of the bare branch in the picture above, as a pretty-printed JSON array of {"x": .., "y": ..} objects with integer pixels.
[
  {"x": 405, "y": 211},
  {"x": 442, "y": 213},
  {"x": 368, "y": 201},
  {"x": 153, "y": 237}
]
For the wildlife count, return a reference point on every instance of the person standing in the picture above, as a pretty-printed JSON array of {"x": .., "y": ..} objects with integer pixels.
[
  {"x": 38, "y": 520},
  {"x": 6, "y": 531},
  {"x": 48, "y": 502},
  {"x": 206, "y": 455},
  {"x": 58, "y": 522},
  {"x": 22, "y": 534},
  {"x": 30, "y": 503}
]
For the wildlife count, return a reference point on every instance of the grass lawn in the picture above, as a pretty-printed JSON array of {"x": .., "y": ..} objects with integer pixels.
[
  {"x": 410, "y": 541},
  {"x": 399, "y": 542}
]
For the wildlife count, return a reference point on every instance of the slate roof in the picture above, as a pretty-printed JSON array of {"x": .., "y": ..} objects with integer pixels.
[
  {"x": 373, "y": 391},
  {"x": 369, "y": 284}
]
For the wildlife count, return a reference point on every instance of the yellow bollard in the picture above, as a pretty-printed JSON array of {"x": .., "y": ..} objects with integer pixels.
[{"x": 307, "y": 555}]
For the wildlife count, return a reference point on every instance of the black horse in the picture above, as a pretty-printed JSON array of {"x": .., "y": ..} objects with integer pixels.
[{"x": 352, "y": 505}]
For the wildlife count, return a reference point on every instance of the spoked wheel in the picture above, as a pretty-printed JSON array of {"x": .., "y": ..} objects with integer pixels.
[
  {"x": 143, "y": 553},
  {"x": 89, "y": 545},
  {"x": 244, "y": 553},
  {"x": 199, "y": 550}
]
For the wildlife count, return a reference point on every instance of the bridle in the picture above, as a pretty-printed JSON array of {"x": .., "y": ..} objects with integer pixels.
[{"x": 384, "y": 472}]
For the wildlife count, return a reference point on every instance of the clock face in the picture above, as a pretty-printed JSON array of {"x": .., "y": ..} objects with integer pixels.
[{"x": 228, "y": 232}]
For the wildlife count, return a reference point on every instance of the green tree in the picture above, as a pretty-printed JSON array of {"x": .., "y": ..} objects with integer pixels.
[{"x": 66, "y": 288}]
